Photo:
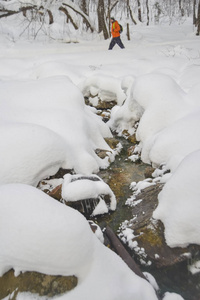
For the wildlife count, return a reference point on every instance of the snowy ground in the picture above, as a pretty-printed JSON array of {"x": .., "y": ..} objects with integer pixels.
[{"x": 45, "y": 125}]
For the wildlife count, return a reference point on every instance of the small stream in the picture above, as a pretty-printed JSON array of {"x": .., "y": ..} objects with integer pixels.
[{"x": 118, "y": 176}]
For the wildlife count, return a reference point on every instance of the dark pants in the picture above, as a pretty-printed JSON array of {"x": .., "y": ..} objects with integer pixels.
[{"x": 117, "y": 41}]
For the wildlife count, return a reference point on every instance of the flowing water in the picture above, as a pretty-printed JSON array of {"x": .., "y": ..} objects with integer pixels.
[{"x": 118, "y": 176}]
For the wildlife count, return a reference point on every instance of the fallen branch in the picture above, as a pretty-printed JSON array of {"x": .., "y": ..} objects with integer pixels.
[{"x": 122, "y": 252}]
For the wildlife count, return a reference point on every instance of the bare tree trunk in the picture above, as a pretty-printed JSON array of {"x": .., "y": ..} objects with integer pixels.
[
  {"x": 108, "y": 13},
  {"x": 109, "y": 16},
  {"x": 194, "y": 12},
  {"x": 179, "y": 4},
  {"x": 181, "y": 8},
  {"x": 198, "y": 20},
  {"x": 130, "y": 11},
  {"x": 110, "y": 8},
  {"x": 83, "y": 6},
  {"x": 147, "y": 5},
  {"x": 101, "y": 19},
  {"x": 139, "y": 11},
  {"x": 128, "y": 32}
]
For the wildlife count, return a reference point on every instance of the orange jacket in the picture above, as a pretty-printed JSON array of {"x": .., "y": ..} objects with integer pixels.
[{"x": 115, "y": 28}]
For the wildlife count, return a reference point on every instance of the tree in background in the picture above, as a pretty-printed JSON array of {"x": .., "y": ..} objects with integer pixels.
[
  {"x": 147, "y": 6},
  {"x": 198, "y": 20},
  {"x": 101, "y": 19},
  {"x": 194, "y": 12},
  {"x": 84, "y": 6},
  {"x": 94, "y": 15}
]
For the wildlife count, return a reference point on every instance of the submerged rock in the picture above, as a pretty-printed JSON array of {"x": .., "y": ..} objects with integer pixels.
[
  {"x": 56, "y": 192},
  {"x": 148, "y": 172},
  {"x": 146, "y": 236},
  {"x": 96, "y": 102},
  {"x": 102, "y": 153},
  {"x": 113, "y": 143}
]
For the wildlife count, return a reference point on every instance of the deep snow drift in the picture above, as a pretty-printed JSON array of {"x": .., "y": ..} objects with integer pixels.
[
  {"x": 49, "y": 126},
  {"x": 41, "y": 234}
]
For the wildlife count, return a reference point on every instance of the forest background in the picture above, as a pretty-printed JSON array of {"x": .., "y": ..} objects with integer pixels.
[{"x": 71, "y": 19}]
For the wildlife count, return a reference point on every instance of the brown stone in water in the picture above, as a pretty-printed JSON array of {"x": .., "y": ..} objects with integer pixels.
[
  {"x": 132, "y": 139},
  {"x": 125, "y": 133},
  {"x": 56, "y": 192},
  {"x": 101, "y": 153},
  {"x": 93, "y": 226},
  {"x": 105, "y": 104},
  {"x": 150, "y": 233},
  {"x": 112, "y": 142},
  {"x": 131, "y": 150},
  {"x": 148, "y": 172},
  {"x": 102, "y": 105}
]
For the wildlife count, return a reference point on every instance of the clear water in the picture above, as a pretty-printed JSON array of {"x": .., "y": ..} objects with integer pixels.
[{"x": 118, "y": 176}]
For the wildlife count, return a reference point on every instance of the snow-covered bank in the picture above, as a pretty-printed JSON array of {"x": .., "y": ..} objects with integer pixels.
[
  {"x": 168, "y": 133},
  {"x": 45, "y": 125},
  {"x": 41, "y": 234}
]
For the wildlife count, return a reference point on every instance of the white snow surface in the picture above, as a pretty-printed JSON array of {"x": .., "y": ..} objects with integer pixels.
[
  {"x": 172, "y": 296},
  {"x": 44, "y": 235},
  {"x": 72, "y": 186},
  {"x": 55, "y": 107},
  {"x": 36, "y": 231},
  {"x": 184, "y": 201},
  {"x": 45, "y": 125}
]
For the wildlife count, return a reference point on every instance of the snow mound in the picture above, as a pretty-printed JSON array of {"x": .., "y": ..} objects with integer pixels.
[
  {"x": 70, "y": 131},
  {"x": 40, "y": 234},
  {"x": 76, "y": 187},
  {"x": 178, "y": 206},
  {"x": 29, "y": 153},
  {"x": 105, "y": 87},
  {"x": 172, "y": 296}
]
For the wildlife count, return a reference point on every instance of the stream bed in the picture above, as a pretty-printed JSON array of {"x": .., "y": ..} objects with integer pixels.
[{"x": 175, "y": 278}]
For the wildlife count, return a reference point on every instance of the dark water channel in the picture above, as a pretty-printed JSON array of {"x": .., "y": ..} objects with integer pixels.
[{"x": 118, "y": 176}]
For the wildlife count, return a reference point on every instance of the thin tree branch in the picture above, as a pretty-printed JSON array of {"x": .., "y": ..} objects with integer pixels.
[
  {"x": 65, "y": 11},
  {"x": 8, "y": 13},
  {"x": 82, "y": 15}
]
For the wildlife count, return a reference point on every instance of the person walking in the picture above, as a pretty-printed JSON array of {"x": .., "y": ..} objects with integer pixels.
[{"x": 115, "y": 31}]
